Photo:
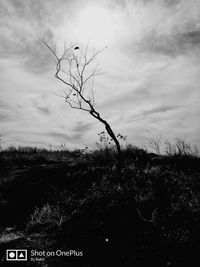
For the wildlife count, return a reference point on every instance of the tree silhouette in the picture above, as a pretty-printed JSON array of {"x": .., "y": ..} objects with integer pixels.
[{"x": 77, "y": 70}]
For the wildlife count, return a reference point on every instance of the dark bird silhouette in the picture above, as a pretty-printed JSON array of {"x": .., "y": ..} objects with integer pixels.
[{"x": 76, "y": 48}]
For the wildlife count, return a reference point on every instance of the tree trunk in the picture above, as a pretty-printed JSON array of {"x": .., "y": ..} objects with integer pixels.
[
  {"x": 114, "y": 138},
  {"x": 119, "y": 156}
]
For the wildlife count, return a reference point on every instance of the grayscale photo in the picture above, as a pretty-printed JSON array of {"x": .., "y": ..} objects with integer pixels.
[{"x": 99, "y": 133}]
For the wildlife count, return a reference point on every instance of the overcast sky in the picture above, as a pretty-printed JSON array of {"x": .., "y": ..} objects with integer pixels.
[{"x": 151, "y": 64}]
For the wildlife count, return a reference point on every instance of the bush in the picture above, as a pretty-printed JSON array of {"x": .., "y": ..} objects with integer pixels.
[
  {"x": 47, "y": 214},
  {"x": 133, "y": 153},
  {"x": 180, "y": 148}
]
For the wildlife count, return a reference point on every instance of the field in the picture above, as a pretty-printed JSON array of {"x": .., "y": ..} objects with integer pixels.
[{"x": 71, "y": 200}]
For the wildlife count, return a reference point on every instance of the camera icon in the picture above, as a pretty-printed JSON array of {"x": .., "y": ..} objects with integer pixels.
[{"x": 16, "y": 255}]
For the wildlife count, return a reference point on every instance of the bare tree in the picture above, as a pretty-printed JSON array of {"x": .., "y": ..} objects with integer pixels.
[{"x": 77, "y": 70}]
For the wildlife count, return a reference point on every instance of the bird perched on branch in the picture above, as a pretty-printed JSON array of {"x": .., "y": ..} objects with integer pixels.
[{"x": 76, "y": 48}]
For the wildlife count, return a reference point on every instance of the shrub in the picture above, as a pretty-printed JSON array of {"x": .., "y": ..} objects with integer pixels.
[
  {"x": 179, "y": 147},
  {"x": 47, "y": 214}
]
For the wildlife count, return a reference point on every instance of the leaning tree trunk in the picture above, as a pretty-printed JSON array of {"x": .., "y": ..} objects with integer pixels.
[
  {"x": 119, "y": 157},
  {"x": 109, "y": 130}
]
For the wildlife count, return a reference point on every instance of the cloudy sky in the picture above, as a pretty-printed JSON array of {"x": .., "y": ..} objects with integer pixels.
[{"x": 151, "y": 66}]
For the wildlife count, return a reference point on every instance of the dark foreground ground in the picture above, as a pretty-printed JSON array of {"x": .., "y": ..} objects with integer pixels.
[{"x": 57, "y": 203}]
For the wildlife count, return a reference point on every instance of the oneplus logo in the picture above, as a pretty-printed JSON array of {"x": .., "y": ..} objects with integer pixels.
[{"x": 16, "y": 255}]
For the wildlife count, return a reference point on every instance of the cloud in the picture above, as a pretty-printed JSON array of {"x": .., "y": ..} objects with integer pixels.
[
  {"x": 8, "y": 116},
  {"x": 33, "y": 55},
  {"x": 8, "y": 112},
  {"x": 58, "y": 136},
  {"x": 166, "y": 2},
  {"x": 152, "y": 70},
  {"x": 164, "y": 27},
  {"x": 5, "y": 117},
  {"x": 173, "y": 45},
  {"x": 160, "y": 109},
  {"x": 44, "y": 110},
  {"x": 82, "y": 128},
  {"x": 4, "y": 105},
  {"x": 21, "y": 24},
  {"x": 160, "y": 114},
  {"x": 131, "y": 97}
]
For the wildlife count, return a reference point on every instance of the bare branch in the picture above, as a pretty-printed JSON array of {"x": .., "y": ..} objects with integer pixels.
[{"x": 52, "y": 50}]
